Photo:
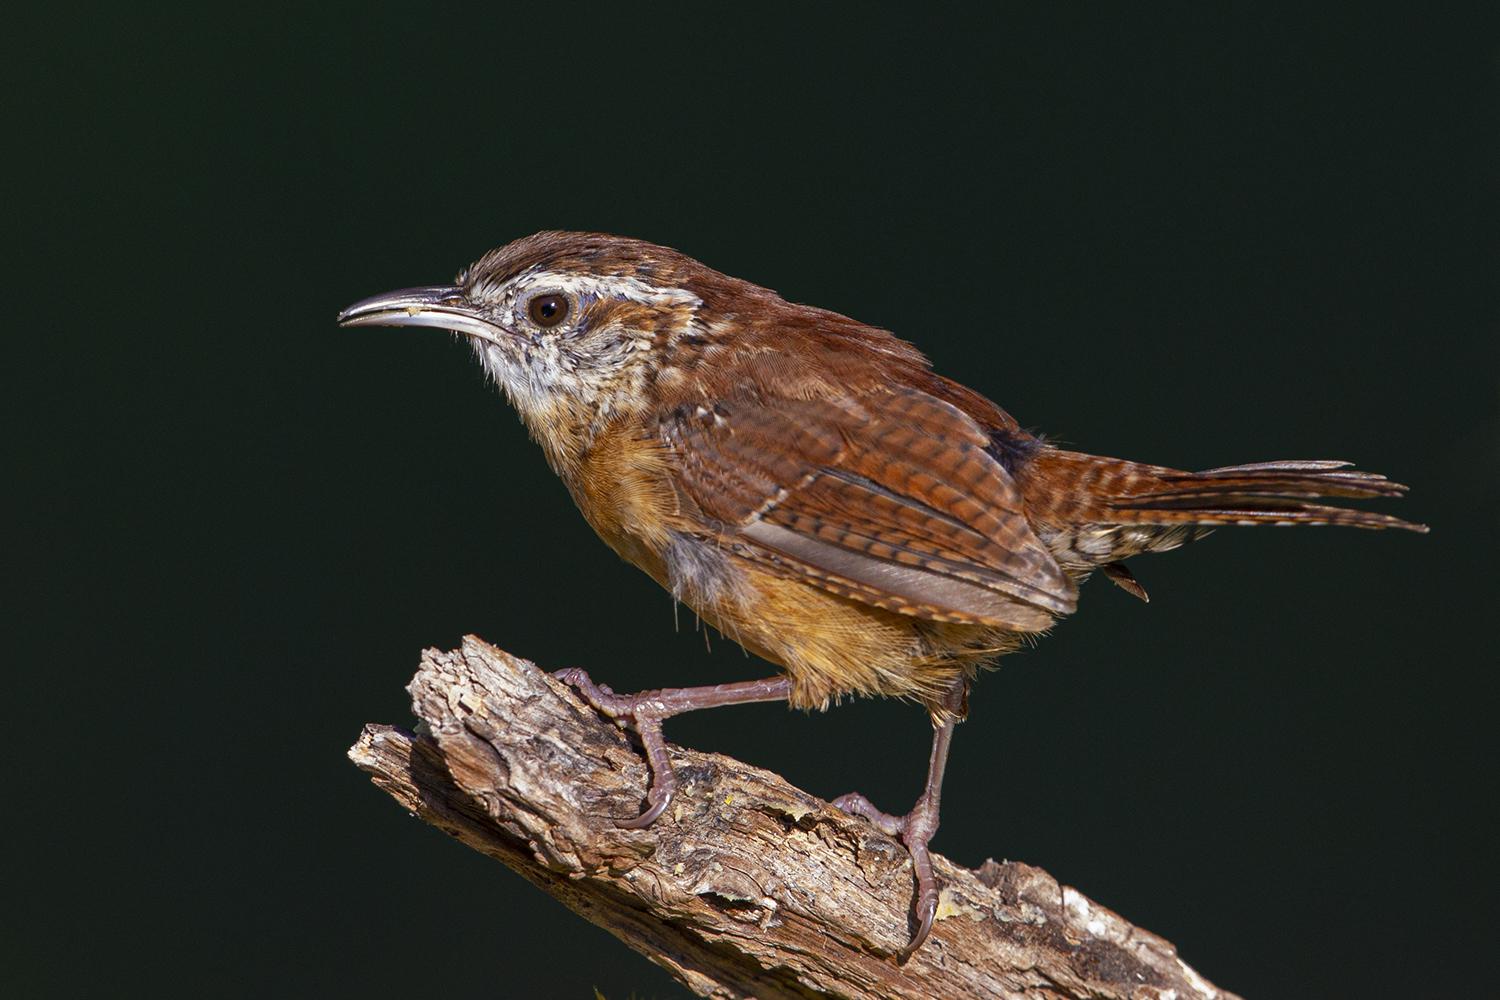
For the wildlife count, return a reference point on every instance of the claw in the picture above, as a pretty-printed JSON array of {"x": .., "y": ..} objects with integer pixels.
[
  {"x": 651, "y": 815},
  {"x": 914, "y": 830},
  {"x": 663, "y": 778},
  {"x": 927, "y": 898}
]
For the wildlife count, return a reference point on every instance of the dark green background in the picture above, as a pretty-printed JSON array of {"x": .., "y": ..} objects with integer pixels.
[{"x": 1182, "y": 236}]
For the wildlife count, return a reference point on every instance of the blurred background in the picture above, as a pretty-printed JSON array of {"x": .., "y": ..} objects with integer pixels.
[{"x": 1183, "y": 235}]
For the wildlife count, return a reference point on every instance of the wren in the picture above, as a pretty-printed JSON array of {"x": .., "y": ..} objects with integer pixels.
[{"x": 811, "y": 488}]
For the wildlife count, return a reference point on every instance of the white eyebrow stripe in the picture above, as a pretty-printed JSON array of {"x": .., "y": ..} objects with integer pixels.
[{"x": 614, "y": 286}]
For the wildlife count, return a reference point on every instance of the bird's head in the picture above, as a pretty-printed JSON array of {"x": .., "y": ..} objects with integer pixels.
[{"x": 573, "y": 326}]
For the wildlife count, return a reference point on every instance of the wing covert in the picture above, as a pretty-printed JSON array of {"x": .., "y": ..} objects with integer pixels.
[{"x": 887, "y": 497}]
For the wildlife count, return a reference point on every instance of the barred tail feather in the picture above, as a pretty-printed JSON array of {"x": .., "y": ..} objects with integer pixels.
[{"x": 1258, "y": 493}]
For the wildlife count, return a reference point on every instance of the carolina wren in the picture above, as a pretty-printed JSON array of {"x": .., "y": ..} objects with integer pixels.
[{"x": 811, "y": 488}]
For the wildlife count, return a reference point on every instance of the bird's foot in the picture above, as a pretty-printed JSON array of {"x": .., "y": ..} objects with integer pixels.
[
  {"x": 914, "y": 830},
  {"x": 631, "y": 711},
  {"x": 643, "y": 712}
]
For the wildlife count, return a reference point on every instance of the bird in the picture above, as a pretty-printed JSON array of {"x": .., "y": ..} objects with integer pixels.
[{"x": 808, "y": 485}]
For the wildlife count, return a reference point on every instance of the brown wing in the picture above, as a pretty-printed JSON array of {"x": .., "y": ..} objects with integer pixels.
[{"x": 887, "y": 497}]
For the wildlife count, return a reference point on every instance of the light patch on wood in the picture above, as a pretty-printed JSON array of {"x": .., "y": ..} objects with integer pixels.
[
  {"x": 794, "y": 810},
  {"x": 951, "y": 904}
]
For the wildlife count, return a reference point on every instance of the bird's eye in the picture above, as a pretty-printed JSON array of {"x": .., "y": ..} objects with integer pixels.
[{"x": 548, "y": 310}]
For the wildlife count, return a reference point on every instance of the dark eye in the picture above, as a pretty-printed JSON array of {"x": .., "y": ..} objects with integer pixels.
[{"x": 548, "y": 310}]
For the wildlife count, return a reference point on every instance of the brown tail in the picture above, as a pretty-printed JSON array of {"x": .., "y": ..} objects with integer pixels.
[
  {"x": 1258, "y": 493},
  {"x": 1071, "y": 488}
]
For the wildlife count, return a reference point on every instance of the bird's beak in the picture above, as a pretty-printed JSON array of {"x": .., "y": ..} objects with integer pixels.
[{"x": 442, "y": 306}]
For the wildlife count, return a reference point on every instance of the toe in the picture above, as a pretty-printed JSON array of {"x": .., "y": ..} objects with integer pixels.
[
  {"x": 658, "y": 805},
  {"x": 856, "y": 804},
  {"x": 926, "y": 914}
]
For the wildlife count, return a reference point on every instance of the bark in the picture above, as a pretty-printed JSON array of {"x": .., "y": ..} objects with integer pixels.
[{"x": 746, "y": 887}]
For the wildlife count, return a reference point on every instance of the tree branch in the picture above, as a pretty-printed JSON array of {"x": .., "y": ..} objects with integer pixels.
[{"x": 747, "y": 887}]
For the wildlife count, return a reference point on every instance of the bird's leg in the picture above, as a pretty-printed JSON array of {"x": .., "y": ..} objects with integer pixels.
[
  {"x": 644, "y": 711},
  {"x": 916, "y": 828}
]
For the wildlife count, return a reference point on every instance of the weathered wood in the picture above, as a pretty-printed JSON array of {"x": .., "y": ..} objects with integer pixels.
[{"x": 747, "y": 887}]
